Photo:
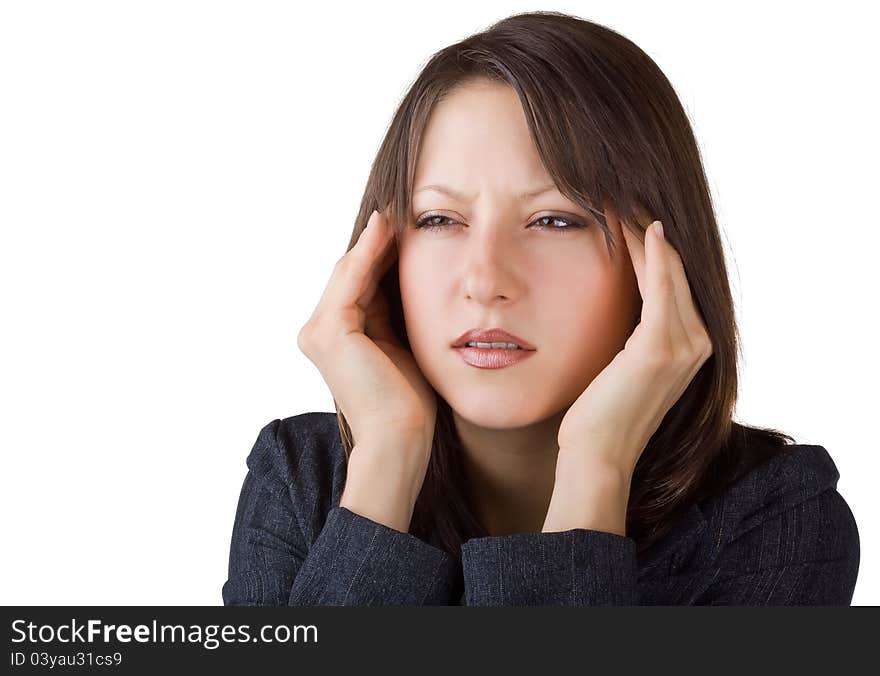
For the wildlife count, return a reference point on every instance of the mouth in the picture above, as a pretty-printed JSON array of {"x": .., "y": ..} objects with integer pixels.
[
  {"x": 492, "y": 339},
  {"x": 476, "y": 345},
  {"x": 492, "y": 357}
]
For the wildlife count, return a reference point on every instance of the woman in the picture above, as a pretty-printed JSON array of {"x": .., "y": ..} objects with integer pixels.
[{"x": 532, "y": 350}]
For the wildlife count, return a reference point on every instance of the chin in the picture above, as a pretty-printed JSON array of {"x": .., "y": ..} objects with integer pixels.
[{"x": 506, "y": 412}]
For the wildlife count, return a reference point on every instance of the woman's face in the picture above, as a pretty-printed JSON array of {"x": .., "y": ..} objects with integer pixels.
[{"x": 492, "y": 266}]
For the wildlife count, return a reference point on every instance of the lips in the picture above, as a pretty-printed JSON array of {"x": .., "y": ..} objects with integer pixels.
[
  {"x": 496, "y": 335},
  {"x": 492, "y": 358}
]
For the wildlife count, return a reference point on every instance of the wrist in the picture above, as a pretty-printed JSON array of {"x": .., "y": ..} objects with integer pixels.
[
  {"x": 588, "y": 493},
  {"x": 383, "y": 483},
  {"x": 603, "y": 461},
  {"x": 397, "y": 461}
]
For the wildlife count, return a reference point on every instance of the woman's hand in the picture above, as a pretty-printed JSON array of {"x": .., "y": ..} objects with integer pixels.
[
  {"x": 615, "y": 417},
  {"x": 374, "y": 380}
]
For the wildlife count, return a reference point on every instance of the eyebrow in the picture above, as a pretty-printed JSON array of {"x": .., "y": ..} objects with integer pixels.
[{"x": 460, "y": 197}]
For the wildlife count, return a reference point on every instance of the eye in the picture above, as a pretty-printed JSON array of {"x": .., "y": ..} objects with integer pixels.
[
  {"x": 572, "y": 223},
  {"x": 432, "y": 222}
]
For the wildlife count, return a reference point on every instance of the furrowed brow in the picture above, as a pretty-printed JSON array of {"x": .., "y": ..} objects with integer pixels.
[{"x": 465, "y": 199}]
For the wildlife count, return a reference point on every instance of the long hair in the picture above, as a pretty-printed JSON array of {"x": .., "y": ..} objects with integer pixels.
[{"x": 610, "y": 131}]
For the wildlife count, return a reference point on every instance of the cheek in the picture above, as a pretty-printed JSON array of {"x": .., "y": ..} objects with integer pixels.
[
  {"x": 585, "y": 315},
  {"x": 420, "y": 279}
]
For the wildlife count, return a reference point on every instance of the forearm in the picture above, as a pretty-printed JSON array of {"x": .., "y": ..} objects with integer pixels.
[
  {"x": 587, "y": 494},
  {"x": 384, "y": 480}
]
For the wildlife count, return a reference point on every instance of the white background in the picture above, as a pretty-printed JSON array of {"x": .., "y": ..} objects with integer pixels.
[{"x": 177, "y": 180}]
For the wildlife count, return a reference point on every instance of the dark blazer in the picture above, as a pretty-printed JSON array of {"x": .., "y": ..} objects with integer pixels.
[{"x": 781, "y": 534}]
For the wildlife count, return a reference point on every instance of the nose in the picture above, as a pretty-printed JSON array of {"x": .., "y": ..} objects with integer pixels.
[{"x": 489, "y": 271}]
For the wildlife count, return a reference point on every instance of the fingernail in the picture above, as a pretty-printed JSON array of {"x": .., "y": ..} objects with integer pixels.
[{"x": 658, "y": 229}]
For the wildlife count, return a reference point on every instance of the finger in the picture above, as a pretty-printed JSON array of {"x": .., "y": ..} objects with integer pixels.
[
  {"x": 381, "y": 269},
  {"x": 689, "y": 315},
  {"x": 355, "y": 272},
  {"x": 377, "y": 320},
  {"x": 659, "y": 310},
  {"x": 689, "y": 325},
  {"x": 636, "y": 247},
  {"x": 387, "y": 257}
]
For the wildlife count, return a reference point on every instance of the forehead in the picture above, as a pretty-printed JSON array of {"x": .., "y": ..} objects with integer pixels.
[{"x": 478, "y": 135}]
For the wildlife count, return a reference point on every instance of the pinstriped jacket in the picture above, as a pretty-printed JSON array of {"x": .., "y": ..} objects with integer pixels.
[{"x": 781, "y": 534}]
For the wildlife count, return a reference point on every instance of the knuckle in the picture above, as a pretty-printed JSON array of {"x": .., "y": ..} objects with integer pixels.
[
  {"x": 703, "y": 345},
  {"x": 708, "y": 350},
  {"x": 350, "y": 266},
  {"x": 304, "y": 339},
  {"x": 348, "y": 259},
  {"x": 665, "y": 285},
  {"x": 661, "y": 358},
  {"x": 312, "y": 334}
]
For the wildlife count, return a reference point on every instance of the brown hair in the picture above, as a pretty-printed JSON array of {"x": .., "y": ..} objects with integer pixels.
[{"x": 612, "y": 133}]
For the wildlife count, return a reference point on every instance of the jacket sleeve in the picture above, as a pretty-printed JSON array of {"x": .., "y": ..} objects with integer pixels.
[
  {"x": 352, "y": 561},
  {"x": 795, "y": 543},
  {"x": 806, "y": 554},
  {"x": 577, "y": 567}
]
